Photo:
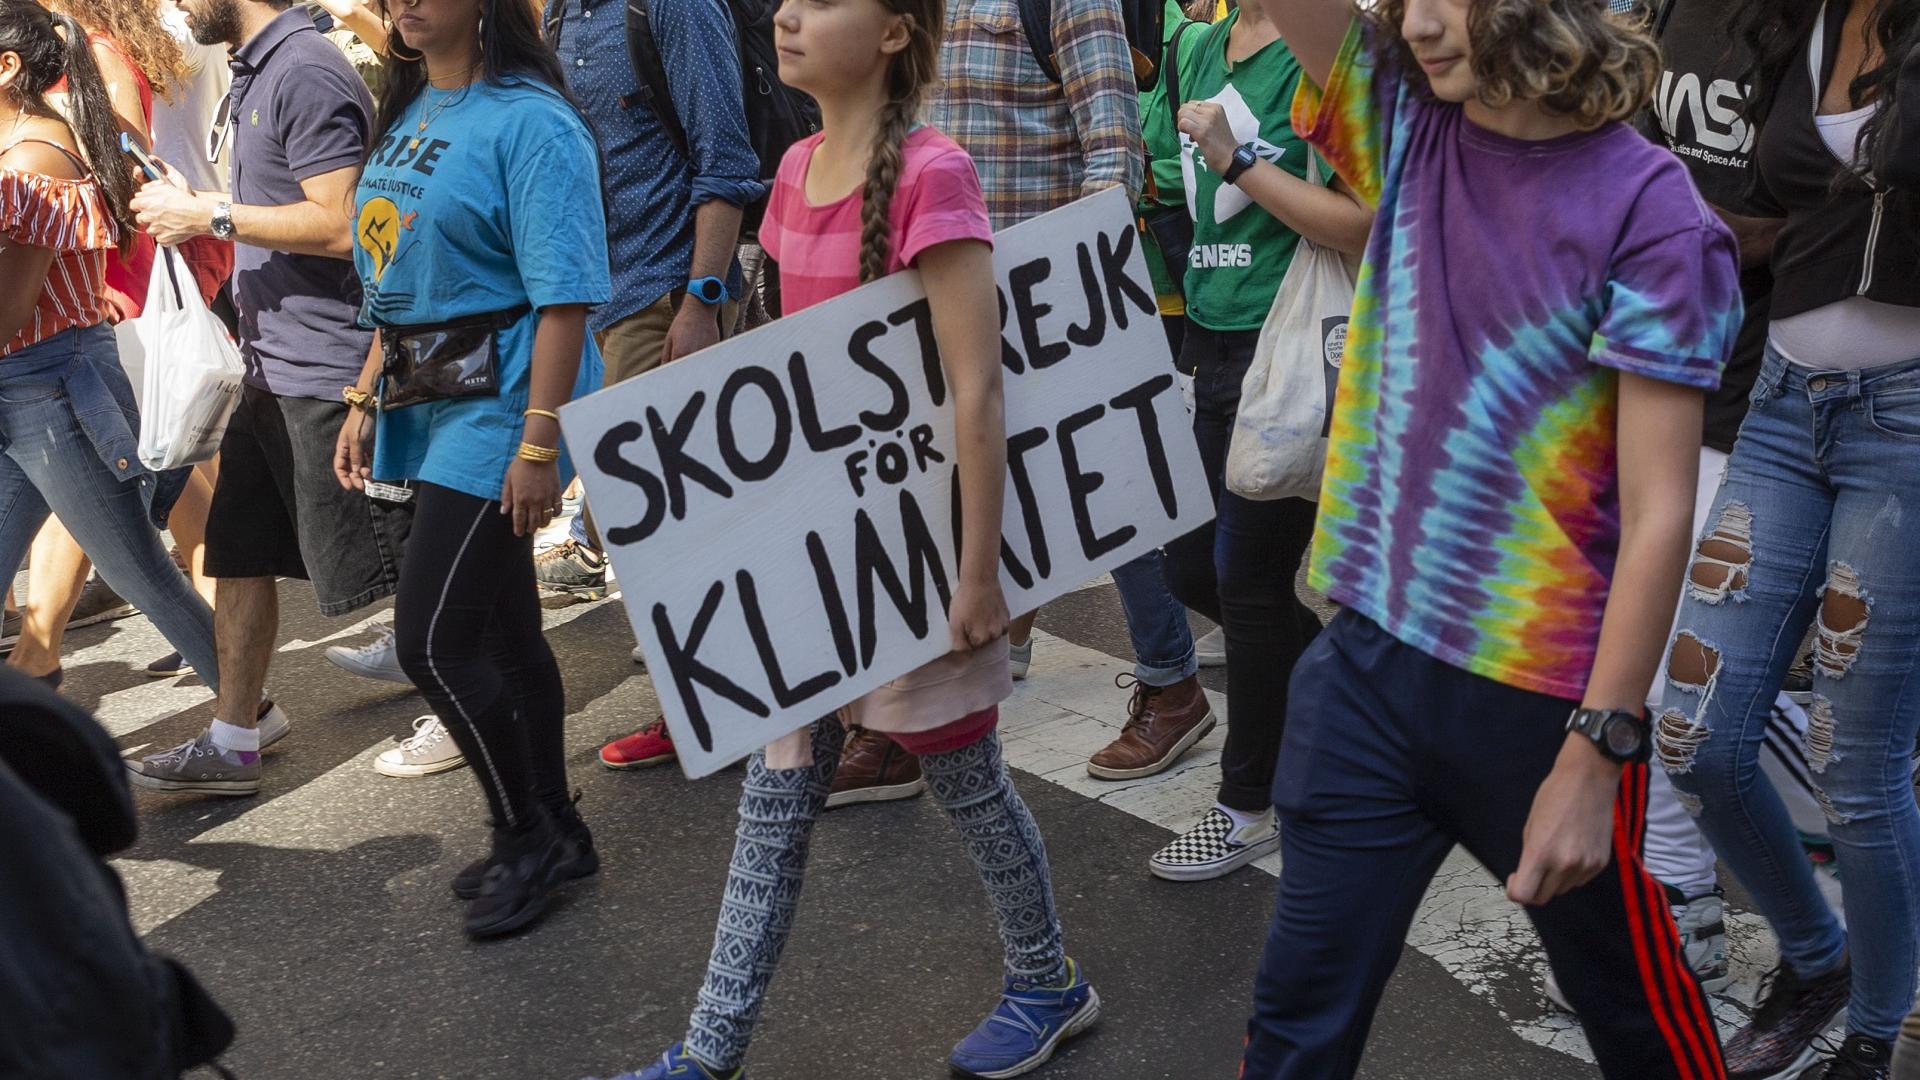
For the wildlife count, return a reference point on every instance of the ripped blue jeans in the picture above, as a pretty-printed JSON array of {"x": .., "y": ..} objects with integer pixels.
[{"x": 1811, "y": 528}]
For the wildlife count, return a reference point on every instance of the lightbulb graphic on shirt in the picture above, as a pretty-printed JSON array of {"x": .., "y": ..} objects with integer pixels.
[
  {"x": 378, "y": 231},
  {"x": 1227, "y": 199}
]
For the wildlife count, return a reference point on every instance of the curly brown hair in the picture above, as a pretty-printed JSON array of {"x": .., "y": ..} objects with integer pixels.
[
  {"x": 135, "y": 26},
  {"x": 1572, "y": 56}
]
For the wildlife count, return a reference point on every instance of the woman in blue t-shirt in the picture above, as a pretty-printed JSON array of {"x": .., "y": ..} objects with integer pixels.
[{"x": 480, "y": 205}]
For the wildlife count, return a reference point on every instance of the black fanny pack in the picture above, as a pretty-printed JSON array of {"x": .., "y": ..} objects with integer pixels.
[{"x": 442, "y": 361}]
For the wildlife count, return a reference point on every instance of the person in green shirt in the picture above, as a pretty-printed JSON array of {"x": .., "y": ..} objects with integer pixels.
[{"x": 1243, "y": 172}]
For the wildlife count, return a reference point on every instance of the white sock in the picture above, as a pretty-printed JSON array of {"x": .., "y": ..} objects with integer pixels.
[
  {"x": 1241, "y": 818},
  {"x": 234, "y": 740}
]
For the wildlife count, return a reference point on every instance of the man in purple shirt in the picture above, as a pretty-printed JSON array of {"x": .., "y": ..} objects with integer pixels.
[{"x": 297, "y": 120}]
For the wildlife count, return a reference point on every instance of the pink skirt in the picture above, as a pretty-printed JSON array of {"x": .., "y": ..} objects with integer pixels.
[{"x": 930, "y": 696}]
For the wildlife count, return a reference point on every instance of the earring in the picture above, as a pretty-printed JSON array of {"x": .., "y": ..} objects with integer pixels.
[{"x": 394, "y": 50}]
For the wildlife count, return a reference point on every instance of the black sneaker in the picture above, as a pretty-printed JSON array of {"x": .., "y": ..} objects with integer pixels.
[
  {"x": 584, "y": 863},
  {"x": 1861, "y": 1057},
  {"x": 1779, "y": 1043}
]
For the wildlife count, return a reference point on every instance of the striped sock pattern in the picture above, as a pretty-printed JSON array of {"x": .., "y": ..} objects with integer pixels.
[
  {"x": 777, "y": 810},
  {"x": 971, "y": 784}
]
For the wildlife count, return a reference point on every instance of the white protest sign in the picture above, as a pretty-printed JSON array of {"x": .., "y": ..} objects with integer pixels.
[{"x": 780, "y": 509}]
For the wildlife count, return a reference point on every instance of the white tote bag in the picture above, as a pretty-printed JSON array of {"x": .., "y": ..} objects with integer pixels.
[
  {"x": 1279, "y": 444},
  {"x": 193, "y": 370}
]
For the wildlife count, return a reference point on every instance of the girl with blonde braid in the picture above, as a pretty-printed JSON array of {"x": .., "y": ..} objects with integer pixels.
[{"x": 872, "y": 194}]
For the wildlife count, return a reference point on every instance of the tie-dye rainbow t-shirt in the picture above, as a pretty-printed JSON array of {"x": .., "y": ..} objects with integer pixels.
[{"x": 1471, "y": 503}]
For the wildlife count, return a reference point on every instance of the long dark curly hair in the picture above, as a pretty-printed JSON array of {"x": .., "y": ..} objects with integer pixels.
[{"x": 1774, "y": 35}]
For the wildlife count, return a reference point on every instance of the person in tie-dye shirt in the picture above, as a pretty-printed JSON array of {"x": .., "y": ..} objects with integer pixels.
[{"x": 1505, "y": 517}]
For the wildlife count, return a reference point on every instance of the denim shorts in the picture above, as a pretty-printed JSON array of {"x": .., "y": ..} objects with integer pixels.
[{"x": 278, "y": 510}]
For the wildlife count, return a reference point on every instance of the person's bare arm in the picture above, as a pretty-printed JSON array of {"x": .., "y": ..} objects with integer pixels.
[
  {"x": 123, "y": 91},
  {"x": 1569, "y": 834},
  {"x": 360, "y": 18},
  {"x": 23, "y": 267},
  {"x": 958, "y": 277},
  {"x": 352, "y": 465},
  {"x": 319, "y": 224},
  {"x": 1755, "y": 236},
  {"x": 716, "y": 231},
  {"x": 531, "y": 493},
  {"x": 1313, "y": 30},
  {"x": 1332, "y": 217}
]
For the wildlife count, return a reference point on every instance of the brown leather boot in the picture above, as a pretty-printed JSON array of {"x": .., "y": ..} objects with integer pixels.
[
  {"x": 873, "y": 768},
  {"x": 1162, "y": 723}
]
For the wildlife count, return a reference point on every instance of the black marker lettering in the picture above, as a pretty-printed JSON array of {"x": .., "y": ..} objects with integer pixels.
[
  {"x": 1140, "y": 400},
  {"x": 606, "y": 455},
  {"x": 920, "y": 314},
  {"x": 870, "y": 561},
  {"x": 818, "y": 440},
  {"x": 1082, "y": 484},
  {"x": 676, "y": 464},
  {"x": 1017, "y": 446},
  {"x": 1028, "y": 313},
  {"x": 859, "y": 348},
  {"x": 784, "y": 696},
  {"x": 688, "y": 671},
  {"x": 745, "y": 469},
  {"x": 1113, "y": 266},
  {"x": 830, "y": 597},
  {"x": 1089, "y": 335}
]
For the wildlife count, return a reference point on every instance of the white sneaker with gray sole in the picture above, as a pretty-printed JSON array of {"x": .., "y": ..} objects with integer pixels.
[
  {"x": 427, "y": 751},
  {"x": 377, "y": 659}
]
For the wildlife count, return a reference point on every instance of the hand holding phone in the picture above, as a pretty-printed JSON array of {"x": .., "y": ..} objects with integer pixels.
[{"x": 145, "y": 161}]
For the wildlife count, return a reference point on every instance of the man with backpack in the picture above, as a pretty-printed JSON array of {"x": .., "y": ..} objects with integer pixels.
[{"x": 661, "y": 81}]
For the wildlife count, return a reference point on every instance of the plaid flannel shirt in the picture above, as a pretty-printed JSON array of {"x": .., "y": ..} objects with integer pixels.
[{"x": 1038, "y": 144}]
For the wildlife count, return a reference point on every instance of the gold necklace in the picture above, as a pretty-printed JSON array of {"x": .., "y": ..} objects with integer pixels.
[{"x": 434, "y": 111}]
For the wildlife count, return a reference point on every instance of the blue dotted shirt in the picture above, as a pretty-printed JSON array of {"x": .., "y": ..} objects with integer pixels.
[{"x": 651, "y": 189}]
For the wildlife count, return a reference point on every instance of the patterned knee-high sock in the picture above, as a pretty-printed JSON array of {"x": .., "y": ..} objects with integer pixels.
[
  {"x": 777, "y": 810},
  {"x": 972, "y": 786}
]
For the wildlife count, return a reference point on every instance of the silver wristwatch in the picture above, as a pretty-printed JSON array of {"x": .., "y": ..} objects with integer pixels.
[{"x": 223, "y": 220}]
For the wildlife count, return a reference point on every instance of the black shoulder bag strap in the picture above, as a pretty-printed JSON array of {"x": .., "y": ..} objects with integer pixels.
[
  {"x": 1036, "y": 18},
  {"x": 1170, "y": 71},
  {"x": 643, "y": 53}
]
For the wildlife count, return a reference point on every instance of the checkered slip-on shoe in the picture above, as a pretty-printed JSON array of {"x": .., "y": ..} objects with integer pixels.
[{"x": 1215, "y": 847}]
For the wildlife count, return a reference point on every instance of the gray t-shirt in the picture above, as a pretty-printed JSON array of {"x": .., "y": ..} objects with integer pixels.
[{"x": 298, "y": 111}]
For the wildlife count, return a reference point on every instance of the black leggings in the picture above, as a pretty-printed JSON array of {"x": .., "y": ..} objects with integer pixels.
[
  {"x": 467, "y": 625},
  {"x": 1239, "y": 570}
]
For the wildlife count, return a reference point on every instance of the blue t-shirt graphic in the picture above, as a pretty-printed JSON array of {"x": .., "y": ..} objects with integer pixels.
[{"x": 495, "y": 203}]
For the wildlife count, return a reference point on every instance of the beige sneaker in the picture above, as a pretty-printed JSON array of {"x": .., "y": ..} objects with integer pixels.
[{"x": 427, "y": 751}]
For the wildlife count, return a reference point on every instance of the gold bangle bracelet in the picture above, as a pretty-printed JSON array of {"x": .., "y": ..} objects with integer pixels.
[
  {"x": 357, "y": 398},
  {"x": 540, "y": 455},
  {"x": 548, "y": 413}
]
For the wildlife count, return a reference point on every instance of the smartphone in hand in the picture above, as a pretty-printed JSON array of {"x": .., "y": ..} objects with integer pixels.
[{"x": 146, "y": 162}]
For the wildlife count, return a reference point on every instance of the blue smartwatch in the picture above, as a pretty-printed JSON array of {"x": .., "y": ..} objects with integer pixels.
[{"x": 709, "y": 290}]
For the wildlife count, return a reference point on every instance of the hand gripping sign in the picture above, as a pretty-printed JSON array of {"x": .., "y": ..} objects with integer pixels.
[{"x": 781, "y": 508}]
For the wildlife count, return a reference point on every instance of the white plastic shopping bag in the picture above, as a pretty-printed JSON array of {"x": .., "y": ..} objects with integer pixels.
[
  {"x": 1279, "y": 444},
  {"x": 193, "y": 369}
]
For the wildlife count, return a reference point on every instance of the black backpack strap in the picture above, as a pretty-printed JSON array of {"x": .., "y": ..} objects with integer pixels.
[
  {"x": 643, "y": 53},
  {"x": 1036, "y": 17}
]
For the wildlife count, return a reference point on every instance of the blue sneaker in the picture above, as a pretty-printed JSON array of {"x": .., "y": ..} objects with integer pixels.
[
  {"x": 676, "y": 1062},
  {"x": 1029, "y": 1024}
]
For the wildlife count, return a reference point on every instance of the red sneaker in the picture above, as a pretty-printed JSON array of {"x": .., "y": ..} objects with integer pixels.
[{"x": 651, "y": 745}]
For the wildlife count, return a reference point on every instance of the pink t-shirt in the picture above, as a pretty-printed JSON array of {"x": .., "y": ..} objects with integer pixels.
[{"x": 818, "y": 247}]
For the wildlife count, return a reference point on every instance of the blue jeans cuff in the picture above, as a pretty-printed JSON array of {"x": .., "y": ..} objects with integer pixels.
[{"x": 1164, "y": 675}]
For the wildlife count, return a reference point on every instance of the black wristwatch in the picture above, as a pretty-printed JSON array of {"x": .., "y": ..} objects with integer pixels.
[
  {"x": 1623, "y": 736},
  {"x": 1243, "y": 159}
]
